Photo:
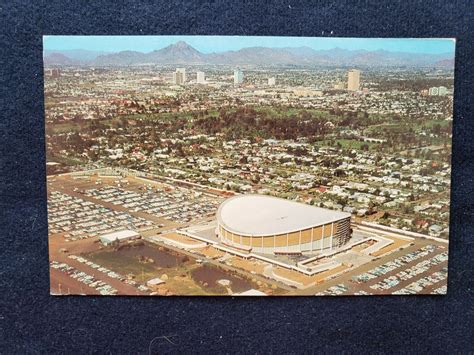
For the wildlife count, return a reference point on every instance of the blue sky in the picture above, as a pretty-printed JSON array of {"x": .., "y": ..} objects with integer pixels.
[{"x": 208, "y": 44}]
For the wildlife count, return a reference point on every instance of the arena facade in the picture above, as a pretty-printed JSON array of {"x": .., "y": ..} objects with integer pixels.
[{"x": 271, "y": 225}]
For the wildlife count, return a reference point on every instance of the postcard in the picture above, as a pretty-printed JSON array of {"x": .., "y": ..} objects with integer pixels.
[{"x": 248, "y": 166}]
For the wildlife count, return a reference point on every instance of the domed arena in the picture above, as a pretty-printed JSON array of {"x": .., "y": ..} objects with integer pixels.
[{"x": 271, "y": 225}]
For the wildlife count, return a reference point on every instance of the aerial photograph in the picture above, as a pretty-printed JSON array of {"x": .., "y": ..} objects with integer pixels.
[{"x": 248, "y": 166}]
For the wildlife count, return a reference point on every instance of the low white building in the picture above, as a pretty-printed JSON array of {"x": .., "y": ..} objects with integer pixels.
[{"x": 122, "y": 235}]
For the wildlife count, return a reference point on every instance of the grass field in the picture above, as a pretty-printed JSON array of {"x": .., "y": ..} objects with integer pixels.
[
  {"x": 124, "y": 265},
  {"x": 179, "y": 278}
]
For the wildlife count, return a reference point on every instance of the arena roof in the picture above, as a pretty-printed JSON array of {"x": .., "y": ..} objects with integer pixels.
[{"x": 260, "y": 215}]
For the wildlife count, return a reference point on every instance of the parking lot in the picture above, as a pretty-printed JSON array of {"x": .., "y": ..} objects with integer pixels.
[
  {"x": 110, "y": 273},
  {"x": 409, "y": 273},
  {"x": 76, "y": 218},
  {"x": 83, "y": 208},
  {"x": 421, "y": 270},
  {"x": 86, "y": 279},
  {"x": 179, "y": 205},
  {"x": 424, "y": 284}
]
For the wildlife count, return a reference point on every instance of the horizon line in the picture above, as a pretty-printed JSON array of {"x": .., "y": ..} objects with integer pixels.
[
  {"x": 147, "y": 44},
  {"x": 329, "y": 49}
]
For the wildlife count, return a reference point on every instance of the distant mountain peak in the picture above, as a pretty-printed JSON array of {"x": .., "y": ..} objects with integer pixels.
[
  {"x": 181, "y": 53},
  {"x": 181, "y": 44},
  {"x": 56, "y": 58},
  {"x": 447, "y": 63},
  {"x": 57, "y": 55}
]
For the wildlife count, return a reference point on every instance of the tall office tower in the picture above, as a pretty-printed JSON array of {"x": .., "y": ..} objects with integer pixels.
[
  {"x": 55, "y": 73},
  {"x": 179, "y": 76},
  {"x": 238, "y": 77},
  {"x": 200, "y": 78},
  {"x": 183, "y": 71},
  {"x": 271, "y": 81},
  {"x": 353, "y": 80}
]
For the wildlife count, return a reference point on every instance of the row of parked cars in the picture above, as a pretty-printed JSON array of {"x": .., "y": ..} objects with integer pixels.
[
  {"x": 394, "y": 264},
  {"x": 86, "y": 279},
  {"x": 403, "y": 275},
  {"x": 441, "y": 290},
  {"x": 410, "y": 273},
  {"x": 80, "y": 219},
  {"x": 181, "y": 205},
  {"x": 421, "y": 284},
  {"x": 335, "y": 290},
  {"x": 109, "y": 273}
]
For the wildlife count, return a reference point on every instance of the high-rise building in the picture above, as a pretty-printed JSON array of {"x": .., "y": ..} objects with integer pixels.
[
  {"x": 200, "y": 77},
  {"x": 353, "y": 80},
  {"x": 238, "y": 77},
  {"x": 182, "y": 70},
  {"x": 55, "y": 73},
  {"x": 179, "y": 76},
  {"x": 271, "y": 81}
]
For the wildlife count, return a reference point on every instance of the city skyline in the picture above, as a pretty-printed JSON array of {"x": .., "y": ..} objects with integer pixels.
[
  {"x": 259, "y": 172},
  {"x": 217, "y": 44}
]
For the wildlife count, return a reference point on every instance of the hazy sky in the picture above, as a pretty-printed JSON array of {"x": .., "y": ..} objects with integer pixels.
[{"x": 207, "y": 44}]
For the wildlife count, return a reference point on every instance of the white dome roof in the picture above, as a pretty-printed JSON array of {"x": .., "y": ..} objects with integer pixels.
[{"x": 260, "y": 215}]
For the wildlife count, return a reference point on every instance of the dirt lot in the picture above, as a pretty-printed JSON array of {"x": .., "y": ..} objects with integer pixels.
[
  {"x": 180, "y": 238},
  {"x": 397, "y": 243},
  {"x": 210, "y": 252},
  {"x": 248, "y": 264}
]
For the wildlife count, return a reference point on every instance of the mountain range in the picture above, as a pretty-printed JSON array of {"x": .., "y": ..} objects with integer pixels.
[{"x": 182, "y": 53}]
